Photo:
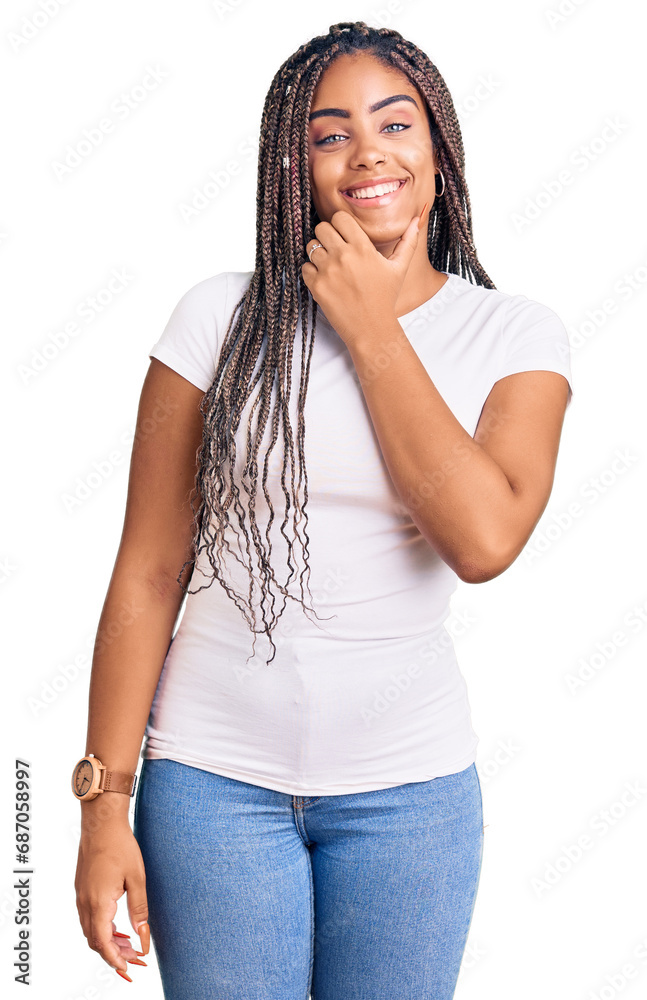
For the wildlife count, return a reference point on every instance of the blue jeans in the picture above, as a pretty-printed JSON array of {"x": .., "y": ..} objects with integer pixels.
[{"x": 255, "y": 894}]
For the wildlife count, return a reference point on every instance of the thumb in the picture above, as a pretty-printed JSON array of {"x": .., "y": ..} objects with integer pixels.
[
  {"x": 407, "y": 243},
  {"x": 138, "y": 912}
]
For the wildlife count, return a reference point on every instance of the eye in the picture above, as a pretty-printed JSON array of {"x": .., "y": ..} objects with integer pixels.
[
  {"x": 336, "y": 135},
  {"x": 324, "y": 141}
]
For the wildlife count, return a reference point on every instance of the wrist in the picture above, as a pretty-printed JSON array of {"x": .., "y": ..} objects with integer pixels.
[
  {"x": 107, "y": 809},
  {"x": 91, "y": 778},
  {"x": 372, "y": 351}
]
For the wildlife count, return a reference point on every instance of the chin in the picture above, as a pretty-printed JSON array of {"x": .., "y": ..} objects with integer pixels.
[{"x": 386, "y": 233}]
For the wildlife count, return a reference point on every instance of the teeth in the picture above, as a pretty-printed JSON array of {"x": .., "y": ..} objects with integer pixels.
[{"x": 375, "y": 192}]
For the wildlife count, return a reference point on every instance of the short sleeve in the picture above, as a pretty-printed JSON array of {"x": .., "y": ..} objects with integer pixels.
[
  {"x": 190, "y": 341},
  {"x": 535, "y": 339}
]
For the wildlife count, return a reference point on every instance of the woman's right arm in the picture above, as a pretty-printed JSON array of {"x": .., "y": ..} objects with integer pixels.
[{"x": 134, "y": 633}]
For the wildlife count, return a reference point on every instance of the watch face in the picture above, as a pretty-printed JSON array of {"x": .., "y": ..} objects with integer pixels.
[{"x": 83, "y": 778}]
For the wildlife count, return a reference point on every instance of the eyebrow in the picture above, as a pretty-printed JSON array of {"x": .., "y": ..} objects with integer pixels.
[{"x": 340, "y": 113}]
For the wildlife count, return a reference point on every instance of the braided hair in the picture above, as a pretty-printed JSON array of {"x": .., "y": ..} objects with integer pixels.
[{"x": 267, "y": 315}]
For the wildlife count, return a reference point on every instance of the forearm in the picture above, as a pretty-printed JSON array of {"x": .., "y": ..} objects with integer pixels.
[
  {"x": 456, "y": 494},
  {"x": 132, "y": 640}
]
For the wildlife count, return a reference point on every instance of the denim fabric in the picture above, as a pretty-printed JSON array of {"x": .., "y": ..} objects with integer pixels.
[{"x": 256, "y": 894}]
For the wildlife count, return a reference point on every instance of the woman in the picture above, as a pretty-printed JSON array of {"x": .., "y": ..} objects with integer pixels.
[{"x": 309, "y": 815}]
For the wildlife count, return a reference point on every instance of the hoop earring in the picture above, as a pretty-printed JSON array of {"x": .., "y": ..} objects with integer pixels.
[{"x": 439, "y": 194}]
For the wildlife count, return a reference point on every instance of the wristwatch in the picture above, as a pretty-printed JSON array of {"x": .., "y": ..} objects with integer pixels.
[{"x": 90, "y": 778}]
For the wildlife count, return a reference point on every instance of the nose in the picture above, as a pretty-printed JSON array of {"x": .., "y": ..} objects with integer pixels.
[{"x": 366, "y": 151}]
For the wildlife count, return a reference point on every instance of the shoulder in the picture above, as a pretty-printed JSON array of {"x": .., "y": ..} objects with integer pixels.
[
  {"x": 210, "y": 296},
  {"x": 506, "y": 305},
  {"x": 190, "y": 341},
  {"x": 512, "y": 319}
]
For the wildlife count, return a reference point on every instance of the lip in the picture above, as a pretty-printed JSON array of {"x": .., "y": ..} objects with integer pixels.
[{"x": 379, "y": 200}]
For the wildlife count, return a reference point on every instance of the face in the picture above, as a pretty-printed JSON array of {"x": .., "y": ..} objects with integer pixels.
[{"x": 351, "y": 146}]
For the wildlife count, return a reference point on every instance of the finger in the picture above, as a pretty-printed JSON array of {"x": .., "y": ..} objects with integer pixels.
[
  {"x": 125, "y": 946},
  {"x": 327, "y": 234},
  {"x": 144, "y": 936},
  {"x": 314, "y": 252},
  {"x": 130, "y": 954},
  {"x": 347, "y": 226},
  {"x": 100, "y": 939},
  {"x": 308, "y": 272},
  {"x": 314, "y": 245},
  {"x": 138, "y": 909},
  {"x": 421, "y": 217},
  {"x": 406, "y": 245},
  {"x": 138, "y": 912}
]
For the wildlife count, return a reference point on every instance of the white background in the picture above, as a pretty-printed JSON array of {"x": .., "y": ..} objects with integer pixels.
[{"x": 535, "y": 94}]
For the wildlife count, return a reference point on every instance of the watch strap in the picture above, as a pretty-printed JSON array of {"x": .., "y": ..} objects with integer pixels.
[{"x": 117, "y": 781}]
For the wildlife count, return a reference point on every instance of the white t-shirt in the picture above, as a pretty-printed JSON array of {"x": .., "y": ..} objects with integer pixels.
[{"x": 370, "y": 695}]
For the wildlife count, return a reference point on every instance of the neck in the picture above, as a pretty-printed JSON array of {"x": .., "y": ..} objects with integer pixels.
[{"x": 421, "y": 281}]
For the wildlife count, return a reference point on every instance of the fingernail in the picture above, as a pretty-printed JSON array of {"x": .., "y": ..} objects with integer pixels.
[
  {"x": 136, "y": 961},
  {"x": 144, "y": 936},
  {"x": 422, "y": 215},
  {"x": 138, "y": 952},
  {"x": 119, "y": 934},
  {"x": 123, "y": 975}
]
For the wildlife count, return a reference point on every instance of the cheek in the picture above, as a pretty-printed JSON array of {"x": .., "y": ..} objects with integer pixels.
[
  {"x": 421, "y": 157},
  {"x": 313, "y": 173},
  {"x": 320, "y": 181}
]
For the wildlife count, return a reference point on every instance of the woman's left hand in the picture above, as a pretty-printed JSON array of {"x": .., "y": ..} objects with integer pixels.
[{"x": 356, "y": 286}]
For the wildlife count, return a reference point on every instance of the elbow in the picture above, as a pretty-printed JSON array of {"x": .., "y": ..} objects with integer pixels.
[
  {"x": 477, "y": 573},
  {"x": 485, "y": 567}
]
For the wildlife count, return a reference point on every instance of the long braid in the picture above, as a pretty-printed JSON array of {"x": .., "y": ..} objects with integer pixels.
[{"x": 265, "y": 320}]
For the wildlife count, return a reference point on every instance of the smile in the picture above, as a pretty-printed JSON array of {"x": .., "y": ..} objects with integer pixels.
[{"x": 377, "y": 200}]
